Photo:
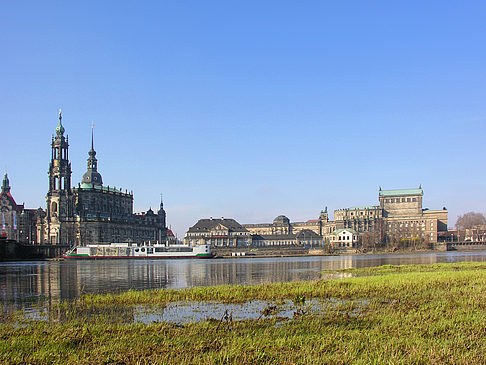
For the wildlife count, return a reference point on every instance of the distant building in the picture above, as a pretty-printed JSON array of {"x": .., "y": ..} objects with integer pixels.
[
  {"x": 224, "y": 232},
  {"x": 283, "y": 232},
  {"x": 17, "y": 223},
  {"x": 404, "y": 217},
  {"x": 344, "y": 238},
  {"x": 91, "y": 212},
  {"x": 476, "y": 234},
  {"x": 399, "y": 216}
]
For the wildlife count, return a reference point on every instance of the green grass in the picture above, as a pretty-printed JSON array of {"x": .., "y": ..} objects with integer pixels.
[{"x": 413, "y": 314}]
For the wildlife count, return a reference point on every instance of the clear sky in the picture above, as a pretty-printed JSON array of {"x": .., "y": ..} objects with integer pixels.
[{"x": 249, "y": 109}]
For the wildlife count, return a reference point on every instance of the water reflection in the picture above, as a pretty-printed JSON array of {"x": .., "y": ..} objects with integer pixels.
[{"x": 23, "y": 284}]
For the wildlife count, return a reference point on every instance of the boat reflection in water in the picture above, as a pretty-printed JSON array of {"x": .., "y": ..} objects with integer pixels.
[{"x": 23, "y": 284}]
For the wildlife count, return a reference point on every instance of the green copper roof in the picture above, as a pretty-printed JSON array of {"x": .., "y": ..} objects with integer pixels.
[
  {"x": 86, "y": 186},
  {"x": 402, "y": 192},
  {"x": 337, "y": 231},
  {"x": 372, "y": 207}
]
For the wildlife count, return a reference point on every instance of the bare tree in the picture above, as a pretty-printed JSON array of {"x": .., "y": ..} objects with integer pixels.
[{"x": 470, "y": 220}]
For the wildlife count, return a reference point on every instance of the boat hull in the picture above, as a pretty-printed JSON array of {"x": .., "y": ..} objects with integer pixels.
[
  {"x": 117, "y": 251},
  {"x": 86, "y": 257}
]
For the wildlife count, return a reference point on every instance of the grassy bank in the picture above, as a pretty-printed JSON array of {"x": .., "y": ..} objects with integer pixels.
[{"x": 408, "y": 314}]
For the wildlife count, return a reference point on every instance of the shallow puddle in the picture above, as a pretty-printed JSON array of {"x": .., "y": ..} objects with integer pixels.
[
  {"x": 189, "y": 312},
  {"x": 186, "y": 312}
]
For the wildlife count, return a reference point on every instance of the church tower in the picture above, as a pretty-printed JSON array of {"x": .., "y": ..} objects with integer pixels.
[
  {"x": 5, "y": 185},
  {"x": 59, "y": 198},
  {"x": 92, "y": 176},
  {"x": 162, "y": 223}
]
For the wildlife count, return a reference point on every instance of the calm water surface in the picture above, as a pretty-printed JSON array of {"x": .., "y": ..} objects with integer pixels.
[{"x": 23, "y": 284}]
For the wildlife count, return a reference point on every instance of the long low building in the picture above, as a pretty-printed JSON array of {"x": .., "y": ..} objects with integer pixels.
[{"x": 224, "y": 232}]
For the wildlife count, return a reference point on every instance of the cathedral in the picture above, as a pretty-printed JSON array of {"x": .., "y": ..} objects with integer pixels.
[{"x": 91, "y": 212}]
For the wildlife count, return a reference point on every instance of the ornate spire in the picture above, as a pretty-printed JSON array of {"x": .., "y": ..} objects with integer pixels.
[
  {"x": 92, "y": 176},
  {"x": 92, "y": 137},
  {"x": 161, "y": 202},
  {"x": 5, "y": 185},
  {"x": 60, "y": 128}
]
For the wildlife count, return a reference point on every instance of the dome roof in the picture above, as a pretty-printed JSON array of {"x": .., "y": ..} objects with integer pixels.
[
  {"x": 281, "y": 219},
  {"x": 92, "y": 177},
  {"x": 60, "y": 129}
]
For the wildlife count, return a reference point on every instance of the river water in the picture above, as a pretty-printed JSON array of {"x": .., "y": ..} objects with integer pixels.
[{"x": 27, "y": 283}]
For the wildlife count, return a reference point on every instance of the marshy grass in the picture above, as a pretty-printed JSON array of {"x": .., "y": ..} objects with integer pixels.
[{"x": 413, "y": 314}]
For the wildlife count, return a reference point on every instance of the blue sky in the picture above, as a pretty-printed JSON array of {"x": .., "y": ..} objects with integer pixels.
[{"x": 250, "y": 109}]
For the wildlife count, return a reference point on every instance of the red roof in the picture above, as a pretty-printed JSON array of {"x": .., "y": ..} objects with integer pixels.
[
  {"x": 13, "y": 204},
  {"x": 170, "y": 233}
]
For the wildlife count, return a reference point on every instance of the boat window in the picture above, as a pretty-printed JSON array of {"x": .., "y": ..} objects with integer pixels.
[
  {"x": 136, "y": 250},
  {"x": 142, "y": 249},
  {"x": 180, "y": 249}
]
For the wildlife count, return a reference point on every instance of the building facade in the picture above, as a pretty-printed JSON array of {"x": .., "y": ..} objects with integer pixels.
[
  {"x": 17, "y": 222},
  {"x": 224, "y": 232},
  {"x": 91, "y": 212},
  {"x": 405, "y": 218},
  {"x": 344, "y": 238}
]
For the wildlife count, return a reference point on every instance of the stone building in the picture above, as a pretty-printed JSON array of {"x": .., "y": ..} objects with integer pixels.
[
  {"x": 360, "y": 219},
  {"x": 399, "y": 216},
  {"x": 17, "y": 222},
  {"x": 282, "y": 226},
  {"x": 304, "y": 238},
  {"x": 91, "y": 212},
  {"x": 224, "y": 232},
  {"x": 10, "y": 211},
  {"x": 405, "y": 218}
]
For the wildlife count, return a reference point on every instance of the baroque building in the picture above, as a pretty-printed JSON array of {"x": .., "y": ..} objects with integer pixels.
[
  {"x": 18, "y": 223},
  {"x": 91, "y": 212},
  {"x": 224, "y": 232}
]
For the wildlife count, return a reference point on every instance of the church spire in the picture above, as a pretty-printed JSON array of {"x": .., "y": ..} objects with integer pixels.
[
  {"x": 92, "y": 176},
  {"x": 92, "y": 137},
  {"x": 5, "y": 185},
  {"x": 60, "y": 128}
]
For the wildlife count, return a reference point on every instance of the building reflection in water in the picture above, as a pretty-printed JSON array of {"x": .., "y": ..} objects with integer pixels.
[{"x": 23, "y": 284}]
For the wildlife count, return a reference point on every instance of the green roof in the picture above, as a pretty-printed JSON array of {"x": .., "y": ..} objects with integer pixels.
[
  {"x": 352, "y": 231},
  {"x": 372, "y": 207},
  {"x": 86, "y": 186},
  {"x": 402, "y": 192}
]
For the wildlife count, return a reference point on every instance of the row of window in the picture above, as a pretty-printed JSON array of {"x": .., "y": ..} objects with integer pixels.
[{"x": 400, "y": 200}]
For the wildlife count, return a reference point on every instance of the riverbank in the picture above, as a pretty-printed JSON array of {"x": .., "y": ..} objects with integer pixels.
[
  {"x": 269, "y": 251},
  {"x": 390, "y": 314}
]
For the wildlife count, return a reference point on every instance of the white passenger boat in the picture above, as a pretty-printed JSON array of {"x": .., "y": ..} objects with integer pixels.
[{"x": 127, "y": 250}]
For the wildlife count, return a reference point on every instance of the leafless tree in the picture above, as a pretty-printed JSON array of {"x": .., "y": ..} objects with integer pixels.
[{"x": 470, "y": 220}]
